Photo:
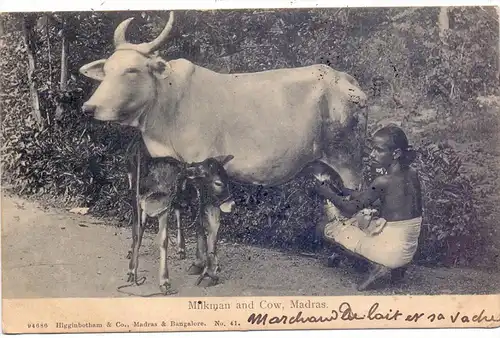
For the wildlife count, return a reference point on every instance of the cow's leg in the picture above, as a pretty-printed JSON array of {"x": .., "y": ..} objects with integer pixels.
[
  {"x": 134, "y": 235},
  {"x": 324, "y": 173},
  {"x": 342, "y": 144},
  {"x": 212, "y": 223},
  {"x": 181, "y": 243},
  {"x": 135, "y": 214},
  {"x": 398, "y": 274},
  {"x": 201, "y": 250}
]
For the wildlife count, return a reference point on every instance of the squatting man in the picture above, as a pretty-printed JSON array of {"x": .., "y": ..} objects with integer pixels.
[{"x": 390, "y": 241}]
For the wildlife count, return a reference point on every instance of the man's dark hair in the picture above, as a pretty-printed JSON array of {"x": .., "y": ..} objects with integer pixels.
[{"x": 397, "y": 139}]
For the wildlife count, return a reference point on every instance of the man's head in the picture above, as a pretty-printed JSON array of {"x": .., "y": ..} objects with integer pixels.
[{"x": 390, "y": 145}]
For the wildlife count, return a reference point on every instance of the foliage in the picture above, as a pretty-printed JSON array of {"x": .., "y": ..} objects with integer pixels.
[
  {"x": 450, "y": 229},
  {"x": 396, "y": 54}
]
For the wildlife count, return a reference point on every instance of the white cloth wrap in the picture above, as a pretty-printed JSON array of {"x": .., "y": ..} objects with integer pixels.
[{"x": 392, "y": 244}]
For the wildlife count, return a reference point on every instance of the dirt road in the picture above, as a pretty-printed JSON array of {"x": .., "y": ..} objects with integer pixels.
[{"x": 48, "y": 252}]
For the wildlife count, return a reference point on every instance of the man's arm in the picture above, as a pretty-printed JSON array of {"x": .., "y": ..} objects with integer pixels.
[{"x": 358, "y": 201}]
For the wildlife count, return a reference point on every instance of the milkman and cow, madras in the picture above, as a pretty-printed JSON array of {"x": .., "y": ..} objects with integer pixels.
[{"x": 277, "y": 124}]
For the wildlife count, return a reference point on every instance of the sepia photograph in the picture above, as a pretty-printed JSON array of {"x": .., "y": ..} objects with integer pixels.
[{"x": 272, "y": 163}]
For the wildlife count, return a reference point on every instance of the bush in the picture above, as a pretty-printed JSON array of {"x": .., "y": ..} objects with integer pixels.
[{"x": 450, "y": 224}]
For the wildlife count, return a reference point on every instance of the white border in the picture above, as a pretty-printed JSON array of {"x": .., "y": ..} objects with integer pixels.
[{"x": 107, "y": 5}]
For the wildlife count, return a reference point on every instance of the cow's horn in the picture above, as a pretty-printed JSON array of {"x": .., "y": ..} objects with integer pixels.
[
  {"x": 120, "y": 31},
  {"x": 156, "y": 43}
]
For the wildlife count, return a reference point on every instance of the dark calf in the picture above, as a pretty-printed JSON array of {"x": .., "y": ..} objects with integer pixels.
[
  {"x": 164, "y": 185},
  {"x": 149, "y": 181},
  {"x": 211, "y": 182}
]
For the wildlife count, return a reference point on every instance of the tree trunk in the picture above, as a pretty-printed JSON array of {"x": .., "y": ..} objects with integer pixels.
[
  {"x": 63, "y": 84},
  {"x": 49, "y": 49},
  {"x": 443, "y": 21},
  {"x": 29, "y": 41},
  {"x": 2, "y": 29},
  {"x": 498, "y": 49}
]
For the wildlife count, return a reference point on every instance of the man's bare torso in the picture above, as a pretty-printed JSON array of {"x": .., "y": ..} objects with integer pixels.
[{"x": 401, "y": 196}]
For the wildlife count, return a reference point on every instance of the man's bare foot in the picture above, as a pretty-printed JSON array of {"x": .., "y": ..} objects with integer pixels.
[
  {"x": 398, "y": 274},
  {"x": 378, "y": 272}
]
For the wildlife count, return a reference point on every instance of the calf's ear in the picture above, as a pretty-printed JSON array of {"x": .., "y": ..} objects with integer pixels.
[
  {"x": 167, "y": 160},
  {"x": 224, "y": 159},
  {"x": 94, "y": 70}
]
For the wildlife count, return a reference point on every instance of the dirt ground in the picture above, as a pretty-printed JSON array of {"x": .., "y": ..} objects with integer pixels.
[{"x": 48, "y": 252}]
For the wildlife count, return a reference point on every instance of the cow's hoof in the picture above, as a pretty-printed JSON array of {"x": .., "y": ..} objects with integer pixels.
[
  {"x": 182, "y": 255},
  {"x": 199, "y": 279},
  {"x": 166, "y": 289},
  {"x": 214, "y": 280},
  {"x": 129, "y": 255},
  {"x": 212, "y": 276},
  {"x": 194, "y": 270},
  {"x": 373, "y": 278},
  {"x": 333, "y": 261},
  {"x": 210, "y": 280},
  {"x": 397, "y": 275},
  {"x": 130, "y": 277}
]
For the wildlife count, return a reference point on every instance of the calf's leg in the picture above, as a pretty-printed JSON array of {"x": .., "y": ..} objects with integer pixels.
[
  {"x": 181, "y": 243},
  {"x": 212, "y": 223},
  {"x": 201, "y": 250},
  {"x": 165, "y": 286}
]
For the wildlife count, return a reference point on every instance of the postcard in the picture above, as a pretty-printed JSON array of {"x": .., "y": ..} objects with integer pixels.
[{"x": 235, "y": 169}]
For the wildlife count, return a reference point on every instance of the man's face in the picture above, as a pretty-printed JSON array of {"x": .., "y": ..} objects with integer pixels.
[{"x": 381, "y": 155}]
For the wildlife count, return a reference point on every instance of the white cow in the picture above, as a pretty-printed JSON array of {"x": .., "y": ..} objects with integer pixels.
[{"x": 274, "y": 122}]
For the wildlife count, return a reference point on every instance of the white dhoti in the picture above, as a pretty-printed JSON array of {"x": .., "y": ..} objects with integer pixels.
[{"x": 392, "y": 244}]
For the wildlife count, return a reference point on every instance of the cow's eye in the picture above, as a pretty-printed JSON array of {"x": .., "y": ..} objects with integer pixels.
[{"x": 132, "y": 70}]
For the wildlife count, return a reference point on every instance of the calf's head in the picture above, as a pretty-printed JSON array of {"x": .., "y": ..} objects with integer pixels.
[
  {"x": 210, "y": 178},
  {"x": 128, "y": 77}
]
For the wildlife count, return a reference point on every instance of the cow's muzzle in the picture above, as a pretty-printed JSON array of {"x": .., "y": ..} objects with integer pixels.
[{"x": 88, "y": 109}]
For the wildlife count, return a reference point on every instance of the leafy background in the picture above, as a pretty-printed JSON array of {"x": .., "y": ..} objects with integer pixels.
[{"x": 438, "y": 79}]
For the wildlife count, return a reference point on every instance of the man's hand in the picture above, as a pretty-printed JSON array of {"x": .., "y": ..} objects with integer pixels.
[{"x": 322, "y": 189}]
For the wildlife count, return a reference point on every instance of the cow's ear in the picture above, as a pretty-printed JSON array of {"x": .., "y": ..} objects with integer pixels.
[
  {"x": 94, "y": 70},
  {"x": 224, "y": 159},
  {"x": 160, "y": 68}
]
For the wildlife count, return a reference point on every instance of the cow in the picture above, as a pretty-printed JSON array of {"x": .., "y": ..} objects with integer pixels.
[
  {"x": 274, "y": 122},
  {"x": 206, "y": 182}
]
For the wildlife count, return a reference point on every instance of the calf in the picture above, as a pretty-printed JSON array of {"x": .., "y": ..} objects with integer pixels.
[
  {"x": 138, "y": 163},
  {"x": 208, "y": 182}
]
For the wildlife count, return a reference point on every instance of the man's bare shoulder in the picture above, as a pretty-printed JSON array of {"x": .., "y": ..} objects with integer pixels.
[
  {"x": 381, "y": 182},
  {"x": 412, "y": 173}
]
